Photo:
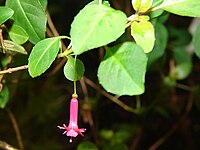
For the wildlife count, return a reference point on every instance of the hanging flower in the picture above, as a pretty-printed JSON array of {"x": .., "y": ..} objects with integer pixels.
[{"x": 72, "y": 129}]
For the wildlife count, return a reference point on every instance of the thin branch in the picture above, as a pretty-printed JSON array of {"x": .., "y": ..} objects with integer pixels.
[
  {"x": 1, "y": 87},
  {"x": 58, "y": 66},
  {"x": 87, "y": 110},
  {"x": 2, "y": 41},
  {"x": 164, "y": 137},
  {"x": 175, "y": 127},
  {"x": 55, "y": 33},
  {"x": 16, "y": 128},
  {"x": 138, "y": 103},
  {"x": 11, "y": 70},
  {"x": 53, "y": 28},
  {"x": 128, "y": 24},
  {"x": 70, "y": 45},
  {"x": 88, "y": 115},
  {"x": 84, "y": 88},
  {"x": 136, "y": 140},
  {"x": 65, "y": 53},
  {"x": 109, "y": 96},
  {"x": 6, "y": 146},
  {"x": 49, "y": 33},
  {"x": 183, "y": 87},
  {"x": 51, "y": 25}
]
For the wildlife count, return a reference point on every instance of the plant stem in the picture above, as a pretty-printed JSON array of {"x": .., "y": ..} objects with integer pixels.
[
  {"x": 11, "y": 70},
  {"x": 6, "y": 146},
  {"x": 65, "y": 37},
  {"x": 2, "y": 41},
  {"x": 138, "y": 103},
  {"x": 111, "y": 97},
  {"x": 183, "y": 118},
  {"x": 16, "y": 128},
  {"x": 155, "y": 8},
  {"x": 183, "y": 87},
  {"x": 65, "y": 53},
  {"x": 75, "y": 74}
]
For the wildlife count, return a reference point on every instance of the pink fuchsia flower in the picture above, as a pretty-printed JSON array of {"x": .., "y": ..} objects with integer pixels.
[{"x": 72, "y": 129}]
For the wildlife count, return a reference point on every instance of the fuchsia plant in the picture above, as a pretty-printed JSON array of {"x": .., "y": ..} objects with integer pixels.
[
  {"x": 72, "y": 129},
  {"x": 122, "y": 70}
]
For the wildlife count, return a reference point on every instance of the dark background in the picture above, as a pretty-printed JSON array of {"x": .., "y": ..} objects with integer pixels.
[{"x": 169, "y": 115}]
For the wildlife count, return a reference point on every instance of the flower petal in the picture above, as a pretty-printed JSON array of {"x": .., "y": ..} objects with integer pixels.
[{"x": 72, "y": 133}]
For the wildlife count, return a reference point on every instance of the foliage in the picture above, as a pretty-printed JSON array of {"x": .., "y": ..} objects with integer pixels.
[
  {"x": 74, "y": 65},
  {"x": 18, "y": 34},
  {"x": 94, "y": 20},
  {"x": 30, "y": 16},
  {"x": 45, "y": 51},
  {"x": 6, "y": 13},
  {"x": 4, "y": 96},
  {"x": 117, "y": 62},
  {"x": 143, "y": 33},
  {"x": 195, "y": 41},
  {"x": 141, "y": 57}
]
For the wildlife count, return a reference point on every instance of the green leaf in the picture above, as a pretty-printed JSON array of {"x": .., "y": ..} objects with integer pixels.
[
  {"x": 69, "y": 71},
  {"x": 95, "y": 26},
  {"x": 87, "y": 146},
  {"x": 169, "y": 82},
  {"x": 177, "y": 35},
  {"x": 42, "y": 55},
  {"x": 18, "y": 34},
  {"x": 189, "y": 8},
  {"x": 156, "y": 14},
  {"x": 196, "y": 41},
  {"x": 161, "y": 35},
  {"x": 122, "y": 136},
  {"x": 143, "y": 33},
  {"x": 156, "y": 3},
  {"x": 164, "y": 17},
  {"x": 13, "y": 48},
  {"x": 30, "y": 15},
  {"x": 181, "y": 55},
  {"x": 107, "y": 134},
  {"x": 141, "y": 5},
  {"x": 122, "y": 71},
  {"x": 6, "y": 13},
  {"x": 183, "y": 63},
  {"x": 4, "y": 62},
  {"x": 43, "y": 3},
  {"x": 4, "y": 97},
  {"x": 143, "y": 18},
  {"x": 106, "y": 3},
  {"x": 119, "y": 146},
  {"x": 181, "y": 71}
]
